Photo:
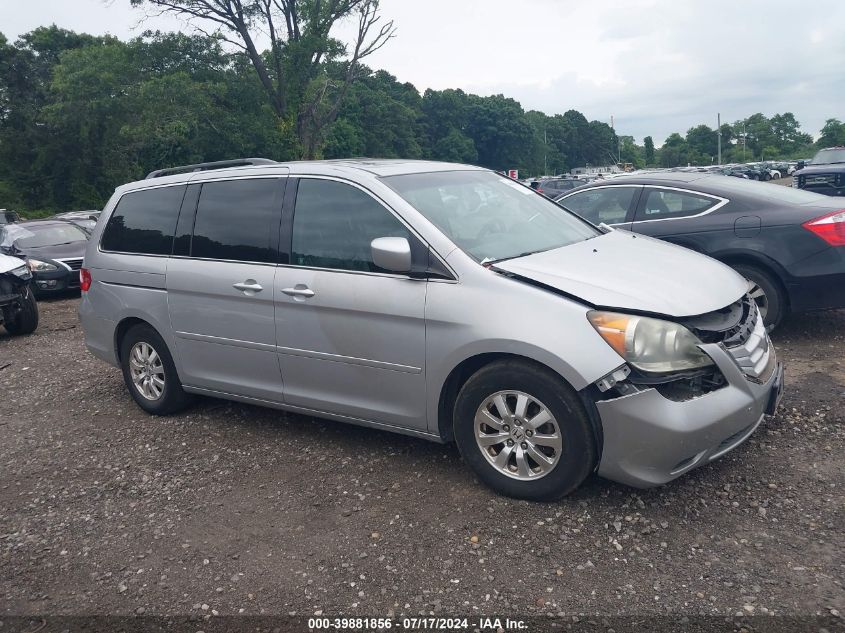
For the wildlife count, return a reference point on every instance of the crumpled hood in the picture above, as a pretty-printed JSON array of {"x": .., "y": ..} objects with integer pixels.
[
  {"x": 7, "y": 263},
  {"x": 634, "y": 272}
]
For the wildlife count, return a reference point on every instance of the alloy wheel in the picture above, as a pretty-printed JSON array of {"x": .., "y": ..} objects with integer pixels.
[
  {"x": 147, "y": 370},
  {"x": 518, "y": 435}
]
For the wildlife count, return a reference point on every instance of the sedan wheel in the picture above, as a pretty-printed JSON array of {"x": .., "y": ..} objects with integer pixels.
[{"x": 518, "y": 435}]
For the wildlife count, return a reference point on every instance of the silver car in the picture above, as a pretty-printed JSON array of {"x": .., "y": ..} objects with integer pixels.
[{"x": 438, "y": 300}]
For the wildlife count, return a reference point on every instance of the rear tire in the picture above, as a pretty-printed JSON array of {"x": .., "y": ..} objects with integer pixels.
[
  {"x": 767, "y": 293},
  {"x": 26, "y": 320},
  {"x": 517, "y": 441},
  {"x": 149, "y": 372}
]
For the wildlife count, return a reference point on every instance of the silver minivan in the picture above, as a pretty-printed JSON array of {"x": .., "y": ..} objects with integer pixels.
[{"x": 438, "y": 300}]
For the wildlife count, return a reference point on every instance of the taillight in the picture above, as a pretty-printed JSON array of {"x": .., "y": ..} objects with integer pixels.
[
  {"x": 830, "y": 227},
  {"x": 84, "y": 279}
]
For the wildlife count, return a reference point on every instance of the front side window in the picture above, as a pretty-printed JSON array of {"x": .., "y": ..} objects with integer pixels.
[
  {"x": 609, "y": 205},
  {"x": 489, "y": 217},
  {"x": 237, "y": 220},
  {"x": 664, "y": 203},
  {"x": 335, "y": 223},
  {"x": 144, "y": 221}
]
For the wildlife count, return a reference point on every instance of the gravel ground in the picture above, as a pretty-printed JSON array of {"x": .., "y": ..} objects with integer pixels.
[{"x": 230, "y": 509}]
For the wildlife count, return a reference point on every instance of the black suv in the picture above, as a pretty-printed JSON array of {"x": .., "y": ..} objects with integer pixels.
[{"x": 825, "y": 174}]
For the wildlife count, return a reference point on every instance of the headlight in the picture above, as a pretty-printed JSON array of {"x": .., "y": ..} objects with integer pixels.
[
  {"x": 37, "y": 266},
  {"x": 22, "y": 273},
  {"x": 650, "y": 345}
]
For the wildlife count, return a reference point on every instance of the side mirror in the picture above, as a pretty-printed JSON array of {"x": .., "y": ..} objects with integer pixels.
[
  {"x": 392, "y": 253},
  {"x": 800, "y": 165}
]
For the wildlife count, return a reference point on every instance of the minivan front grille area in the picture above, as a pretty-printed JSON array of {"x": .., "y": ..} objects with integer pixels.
[
  {"x": 751, "y": 349},
  {"x": 743, "y": 335}
]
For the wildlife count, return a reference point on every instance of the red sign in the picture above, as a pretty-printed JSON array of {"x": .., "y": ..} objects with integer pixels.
[{"x": 513, "y": 173}]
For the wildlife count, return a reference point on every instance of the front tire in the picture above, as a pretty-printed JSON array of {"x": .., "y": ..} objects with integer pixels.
[
  {"x": 524, "y": 431},
  {"x": 149, "y": 372},
  {"x": 26, "y": 320},
  {"x": 767, "y": 293}
]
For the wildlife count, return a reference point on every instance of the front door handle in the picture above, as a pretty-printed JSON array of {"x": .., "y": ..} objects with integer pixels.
[
  {"x": 248, "y": 287},
  {"x": 300, "y": 290}
]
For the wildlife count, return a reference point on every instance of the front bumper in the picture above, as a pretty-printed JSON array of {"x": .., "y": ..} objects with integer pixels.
[
  {"x": 650, "y": 440},
  {"x": 55, "y": 281}
]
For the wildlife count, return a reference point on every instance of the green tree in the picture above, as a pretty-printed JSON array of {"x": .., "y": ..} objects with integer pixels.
[
  {"x": 832, "y": 134},
  {"x": 702, "y": 143},
  {"x": 293, "y": 72},
  {"x": 648, "y": 150}
]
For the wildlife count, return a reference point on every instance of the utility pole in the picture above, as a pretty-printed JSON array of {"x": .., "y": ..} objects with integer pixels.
[
  {"x": 719, "y": 136},
  {"x": 545, "y": 154}
]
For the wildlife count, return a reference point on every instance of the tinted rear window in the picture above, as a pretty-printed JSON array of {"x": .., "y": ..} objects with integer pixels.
[
  {"x": 144, "y": 221},
  {"x": 238, "y": 220}
]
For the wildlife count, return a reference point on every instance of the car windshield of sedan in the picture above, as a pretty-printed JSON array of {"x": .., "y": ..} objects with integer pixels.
[
  {"x": 36, "y": 236},
  {"x": 829, "y": 156},
  {"x": 488, "y": 216}
]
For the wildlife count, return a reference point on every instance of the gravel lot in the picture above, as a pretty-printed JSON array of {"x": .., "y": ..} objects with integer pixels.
[{"x": 232, "y": 509}]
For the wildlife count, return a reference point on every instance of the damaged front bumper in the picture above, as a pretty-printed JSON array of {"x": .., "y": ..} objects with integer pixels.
[{"x": 650, "y": 439}]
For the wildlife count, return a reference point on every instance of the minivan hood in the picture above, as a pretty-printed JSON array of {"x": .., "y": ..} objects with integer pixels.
[{"x": 624, "y": 271}]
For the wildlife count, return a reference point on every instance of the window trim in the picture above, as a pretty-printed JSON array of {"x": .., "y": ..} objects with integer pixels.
[
  {"x": 632, "y": 213},
  {"x": 288, "y": 217},
  {"x": 719, "y": 202}
]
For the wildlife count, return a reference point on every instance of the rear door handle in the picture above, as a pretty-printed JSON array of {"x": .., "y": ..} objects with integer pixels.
[
  {"x": 300, "y": 290},
  {"x": 248, "y": 287}
]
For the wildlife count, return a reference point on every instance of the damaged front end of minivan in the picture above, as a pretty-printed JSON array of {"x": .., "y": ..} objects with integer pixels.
[{"x": 692, "y": 390}]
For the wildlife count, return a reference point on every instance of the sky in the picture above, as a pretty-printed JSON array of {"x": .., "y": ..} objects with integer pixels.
[{"x": 656, "y": 66}]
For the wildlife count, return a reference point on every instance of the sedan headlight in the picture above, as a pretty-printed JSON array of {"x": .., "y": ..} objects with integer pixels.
[
  {"x": 37, "y": 266},
  {"x": 650, "y": 345},
  {"x": 22, "y": 272}
]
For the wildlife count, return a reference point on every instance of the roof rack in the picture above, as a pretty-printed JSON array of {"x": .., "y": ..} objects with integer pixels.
[{"x": 218, "y": 164}]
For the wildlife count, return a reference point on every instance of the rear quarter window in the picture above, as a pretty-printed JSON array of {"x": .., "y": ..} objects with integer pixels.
[{"x": 144, "y": 221}]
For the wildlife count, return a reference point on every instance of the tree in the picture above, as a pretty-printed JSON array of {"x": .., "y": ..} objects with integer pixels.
[
  {"x": 702, "y": 143},
  {"x": 648, "y": 150},
  {"x": 833, "y": 133},
  {"x": 294, "y": 72}
]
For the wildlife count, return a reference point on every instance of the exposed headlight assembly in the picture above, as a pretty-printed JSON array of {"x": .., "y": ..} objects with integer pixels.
[
  {"x": 22, "y": 272},
  {"x": 37, "y": 266},
  {"x": 650, "y": 345}
]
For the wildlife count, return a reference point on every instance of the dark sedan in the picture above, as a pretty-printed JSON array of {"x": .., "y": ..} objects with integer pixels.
[
  {"x": 790, "y": 244},
  {"x": 53, "y": 250}
]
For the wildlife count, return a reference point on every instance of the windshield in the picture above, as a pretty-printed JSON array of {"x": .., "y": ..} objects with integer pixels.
[
  {"x": 828, "y": 156},
  {"x": 38, "y": 235},
  {"x": 488, "y": 216}
]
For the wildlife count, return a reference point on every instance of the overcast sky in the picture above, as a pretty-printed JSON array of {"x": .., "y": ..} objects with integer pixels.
[{"x": 657, "y": 66}]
